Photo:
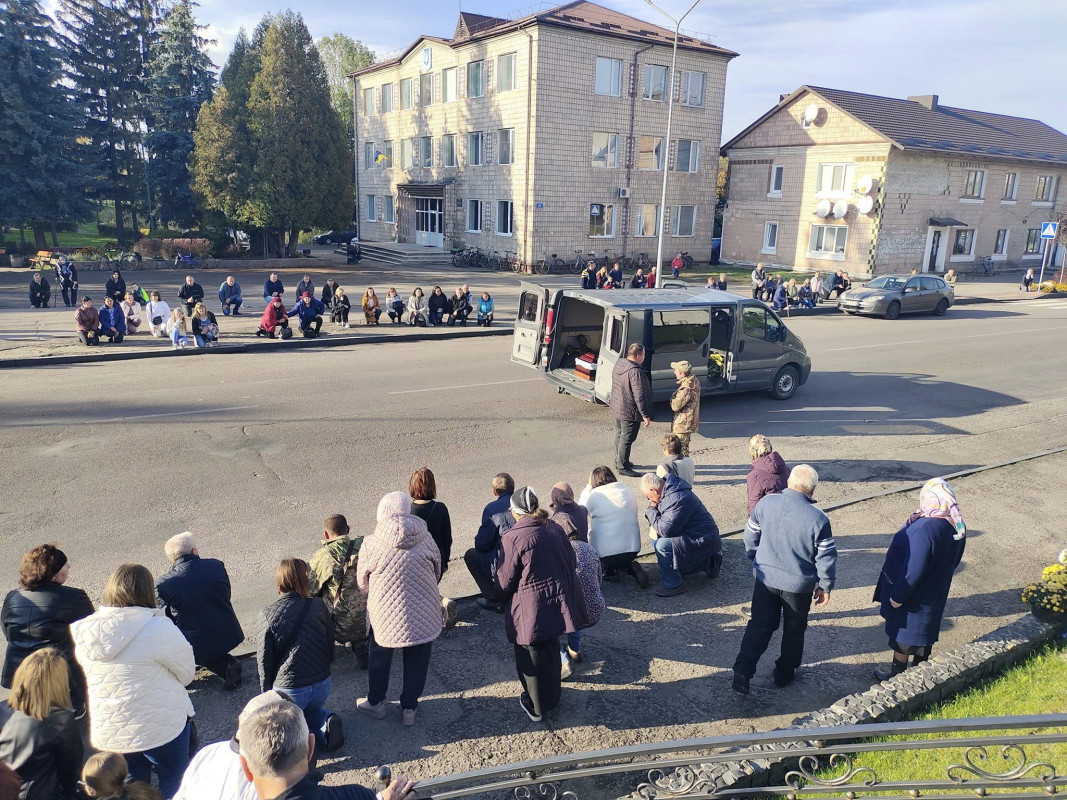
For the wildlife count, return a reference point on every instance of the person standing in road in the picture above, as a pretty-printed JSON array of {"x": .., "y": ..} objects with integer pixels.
[
  {"x": 759, "y": 282},
  {"x": 481, "y": 559},
  {"x": 333, "y": 578},
  {"x": 684, "y": 534},
  {"x": 66, "y": 280},
  {"x": 630, "y": 403},
  {"x": 916, "y": 577},
  {"x": 794, "y": 560},
  {"x": 685, "y": 403},
  {"x": 230, "y": 297},
  {"x": 816, "y": 287}
]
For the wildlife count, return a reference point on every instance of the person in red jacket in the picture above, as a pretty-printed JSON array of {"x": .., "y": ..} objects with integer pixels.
[
  {"x": 677, "y": 264},
  {"x": 275, "y": 320}
]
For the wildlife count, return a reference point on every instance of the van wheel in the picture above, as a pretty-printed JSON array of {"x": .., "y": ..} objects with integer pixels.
[
  {"x": 785, "y": 383},
  {"x": 942, "y": 307},
  {"x": 893, "y": 311}
]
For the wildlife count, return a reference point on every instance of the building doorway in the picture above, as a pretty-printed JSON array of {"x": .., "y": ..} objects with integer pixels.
[
  {"x": 430, "y": 221},
  {"x": 936, "y": 248}
]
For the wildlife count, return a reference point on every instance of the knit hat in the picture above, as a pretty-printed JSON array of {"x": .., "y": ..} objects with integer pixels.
[
  {"x": 392, "y": 504},
  {"x": 306, "y": 294},
  {"x": 562, "y": 495},
  {"x": 524, "y": 501}
]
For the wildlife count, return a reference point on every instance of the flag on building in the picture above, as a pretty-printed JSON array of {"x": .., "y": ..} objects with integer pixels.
[{"x": 379, "y": 157}]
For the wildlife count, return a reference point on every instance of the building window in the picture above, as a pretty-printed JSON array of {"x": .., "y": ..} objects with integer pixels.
[
  {"x": 406, "y": 154},
  {"x": 685, "y": 218},
  {"x": 474, "y": 79},
  {"x": 688, "y": 156},
  {"x": 474, "y": 216},
  {"x": 368, "y": 155},
  {"x": 368, "y": 101},
  {"x": 964, "y": 244},
  {"x": 505, "y": 146},
  {"x": 389, "y": 209},
  {"x": 777, "y": 176},
  {"x": 1000, "y": 247},
  {"x": 655, "y": 83},
  {"x": 1011, "y": 181},
  {"x": 448, "y": 85},
  {"x": 601, "y": 219},
  {"x": 647, "y": 220},
  {"x": 505, "y": 72},
  {"x": 370, "y": 216},
  {"x": 426, "y": 89},
  {"x": 505, "y": 217},
  {"x": 405, "y": 94},
  {"x": 650, "y": 152},
  {"x": 827, "y": 240},
  {"x": 387, "y": 153},
  {"x": 474, "y": 149},
  {"x": 1045, "y": 186},
  {"x": 972, "y": 188},
  {"x": 770, "y": 238},
  {"x": 1033, "y": 242},
  {"x": 835, "y": 177},
  {"x": 387, "y": 97},
  {"x": 693, "y": 89},
  {"x": 608, "y": 77},
  {"x": 605, "y": 149},
  {"x": 426, "y": 146},
  {"x": 448, "y": 150}
]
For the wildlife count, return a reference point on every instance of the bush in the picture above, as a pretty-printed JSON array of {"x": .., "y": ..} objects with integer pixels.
[
  {"x": 148, "y": 248},
  {"x": 1052, "y": 286},
  {"x": 200, "y": 248},
  {"x": 220, "y": 244}
]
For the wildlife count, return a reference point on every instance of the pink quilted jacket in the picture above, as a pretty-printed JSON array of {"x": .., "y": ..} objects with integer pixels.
[{"x": 399, "y": 566}]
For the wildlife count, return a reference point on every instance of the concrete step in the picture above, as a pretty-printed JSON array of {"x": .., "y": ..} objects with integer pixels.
[{"x": 392, "y": 255}]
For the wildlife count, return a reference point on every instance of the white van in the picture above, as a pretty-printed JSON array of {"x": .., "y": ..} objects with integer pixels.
[{"x": 735, "y": 344}]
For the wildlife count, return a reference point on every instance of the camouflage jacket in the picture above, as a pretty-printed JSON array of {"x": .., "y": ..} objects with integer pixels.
[
  {"x": 328, "y": 574},
  {"x": 686, "y": 406}
]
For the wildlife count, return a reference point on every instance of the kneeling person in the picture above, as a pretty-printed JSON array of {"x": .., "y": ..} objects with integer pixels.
[
  {"x": 684, "y": 534},
  {"x": 309, "y": 311}
]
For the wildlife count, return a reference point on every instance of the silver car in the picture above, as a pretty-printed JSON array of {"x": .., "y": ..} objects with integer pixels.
[{"x": 890, "y": 296}]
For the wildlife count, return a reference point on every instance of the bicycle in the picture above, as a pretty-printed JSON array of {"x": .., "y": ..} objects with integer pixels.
[
  {"x": 984, "y": 267},
  {"x": 513, "y": 262},
  {"x": 119, "y": 259},
  {"x": 189, "y": 261},
  {"x": 494, "y": 262},
  {"x": 580, "y": 261},
  {"x": 549, "y": 264}
]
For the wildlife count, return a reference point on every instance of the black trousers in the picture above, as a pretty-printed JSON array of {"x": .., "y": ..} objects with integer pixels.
[
  {"x": 617, "y": 561},
  {"x": 538, "y": 665},
  {"x": 218, "y": 664},
  {"x": 116, "y": 339},
  {"x": 769, "y": 608},
  {"x": 83, "y": 337},
  {"x": 41, "y": 301},
  {"x": 625, "y": 436},
  {"x": 307, "y": 330},
  {"x": 475, "y": 562},
  {"x": 69, "y": 295},
  {"x": 416, "y": 665}
]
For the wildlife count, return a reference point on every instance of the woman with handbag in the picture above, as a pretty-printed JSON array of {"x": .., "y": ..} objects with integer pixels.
[
  {"x": 372, "y": 308},
  {"x": 296, "y": 636},
  {"x": 157, "y": 312}
]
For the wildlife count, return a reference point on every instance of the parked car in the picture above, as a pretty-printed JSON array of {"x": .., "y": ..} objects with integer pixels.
[
  {"x": 334, "y": 237},
  {"x": 890, "y": 296}
]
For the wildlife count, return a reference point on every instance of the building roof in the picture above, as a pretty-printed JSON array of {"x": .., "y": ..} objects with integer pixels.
[
  {"x": 924, "y": 124},
  {"x": 580, "y": 15}
]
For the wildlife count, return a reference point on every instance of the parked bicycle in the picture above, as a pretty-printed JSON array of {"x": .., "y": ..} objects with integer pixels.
[
  {"x": 187, "y": 261},
  {"x": 119, "y": 259},
  {"x": 551, "y": 263},
  {"x": 581, "y": 260},
  {"x": 984, "y": 267}
]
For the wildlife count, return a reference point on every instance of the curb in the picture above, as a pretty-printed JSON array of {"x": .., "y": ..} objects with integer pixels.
[{"x": 272, "y": 346}]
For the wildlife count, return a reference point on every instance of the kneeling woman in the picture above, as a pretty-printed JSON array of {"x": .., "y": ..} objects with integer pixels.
[
  {"x": 205, "y": 328},
  {"x": 275, "y": 320}
]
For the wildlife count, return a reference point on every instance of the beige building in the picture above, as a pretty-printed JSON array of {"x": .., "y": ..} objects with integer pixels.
[
  {"x": 830, "y": 179},
  {"x": 541, "y": 134}
]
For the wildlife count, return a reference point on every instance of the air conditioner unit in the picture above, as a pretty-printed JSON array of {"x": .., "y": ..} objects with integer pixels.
[{"x": 624, "y": 193}]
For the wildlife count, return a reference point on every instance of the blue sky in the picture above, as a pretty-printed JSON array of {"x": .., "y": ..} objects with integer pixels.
[{"x": 1005, "y": 56}]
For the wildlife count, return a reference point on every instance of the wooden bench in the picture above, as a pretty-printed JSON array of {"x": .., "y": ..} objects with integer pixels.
[{"x": 43, "y": 260}]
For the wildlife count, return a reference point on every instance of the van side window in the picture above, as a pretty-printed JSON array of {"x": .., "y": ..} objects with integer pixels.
[
  {"x": 615, "y": 339},
  {"x": 679, "y": 331},
  {"x": 528, "y": 307},
  {"x": 760, "y": 324}
]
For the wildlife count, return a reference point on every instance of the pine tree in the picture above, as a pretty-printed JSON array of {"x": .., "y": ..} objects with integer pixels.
[
  {"x": 180, "y": 81},
  {"x": 44, "y": 178},
  {"x": 342, "y": 55}
]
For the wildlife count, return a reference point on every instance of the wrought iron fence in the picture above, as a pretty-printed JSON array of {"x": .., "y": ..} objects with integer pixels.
[{"x": 983, "y": 756}]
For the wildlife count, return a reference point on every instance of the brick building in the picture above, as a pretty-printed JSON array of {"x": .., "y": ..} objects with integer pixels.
[
  {"x": 541, "y": 134},
  {"x": 830, "y": 179}
]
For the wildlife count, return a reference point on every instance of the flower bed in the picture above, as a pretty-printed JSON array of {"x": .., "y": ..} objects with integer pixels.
[{"x": 1047, "y": 597}]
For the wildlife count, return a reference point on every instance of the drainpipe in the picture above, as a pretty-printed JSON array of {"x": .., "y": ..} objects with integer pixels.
[
  {"x": 529, "y": 141},
  {"x": 355, "y": 159},
  {"x": 629, "y": 138}
]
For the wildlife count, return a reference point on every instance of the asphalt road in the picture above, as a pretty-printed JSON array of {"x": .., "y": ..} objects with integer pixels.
[{"x": 251, "y": 452}]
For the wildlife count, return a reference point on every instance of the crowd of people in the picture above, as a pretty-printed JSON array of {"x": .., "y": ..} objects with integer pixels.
[{"x": 189, "y": 323}]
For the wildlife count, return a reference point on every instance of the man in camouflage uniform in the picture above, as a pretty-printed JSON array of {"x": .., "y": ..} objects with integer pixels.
[
  {"x": 685, "y": 403},
  {"x": 333, "y": 578}
]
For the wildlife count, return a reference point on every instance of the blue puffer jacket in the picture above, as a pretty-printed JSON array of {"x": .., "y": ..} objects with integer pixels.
[
  {"x": 681, "y": 517},
  {"x": 227, "y": 292},
  {"x": 307, "y": 313},
  {"x": 112, "y": 318}
]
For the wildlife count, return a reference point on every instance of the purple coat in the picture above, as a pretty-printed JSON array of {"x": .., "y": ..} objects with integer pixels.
[
  {"x": 537, "y": 574},
  {"x": 769, "y": 475}
]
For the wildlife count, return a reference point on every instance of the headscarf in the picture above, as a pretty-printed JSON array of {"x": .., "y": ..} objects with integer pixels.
[
  {"x": 524, "y": 501},
  {"x": 392, "y": 504},
  {"x": 937, "y": 500},
  {"x": 562, "y": 495}
]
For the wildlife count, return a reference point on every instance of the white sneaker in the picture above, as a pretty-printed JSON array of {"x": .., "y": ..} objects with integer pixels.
[
  {"x": 347, "y": 325},
  {"x": 371, "y": 710},
  {"x": 566, "y": 670},
  {"x": 409, "y": 717}
]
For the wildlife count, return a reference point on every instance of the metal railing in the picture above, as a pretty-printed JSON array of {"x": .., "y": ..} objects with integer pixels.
[{"x": 821, "y": 762}]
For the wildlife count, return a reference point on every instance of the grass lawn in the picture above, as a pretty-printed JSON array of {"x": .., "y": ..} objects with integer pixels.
[
  {"x": 86, "y": 236},
  {"x": 1036, "y": 686},
  {"x": 738, "y": 279}
]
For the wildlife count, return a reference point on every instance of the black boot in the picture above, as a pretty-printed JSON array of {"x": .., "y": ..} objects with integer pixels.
[
  {"x": 895, "y": 668},
  {"x": 360, "y": 651}
]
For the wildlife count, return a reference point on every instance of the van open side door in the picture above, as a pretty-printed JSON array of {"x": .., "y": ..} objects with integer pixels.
[{"x": 530, "y": 323}]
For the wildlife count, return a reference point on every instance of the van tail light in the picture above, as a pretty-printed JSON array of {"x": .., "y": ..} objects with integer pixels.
[{"x": 550, "y": 319}]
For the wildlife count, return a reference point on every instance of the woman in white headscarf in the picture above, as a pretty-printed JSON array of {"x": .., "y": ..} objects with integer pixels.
[{"x": 399, "y": 567}]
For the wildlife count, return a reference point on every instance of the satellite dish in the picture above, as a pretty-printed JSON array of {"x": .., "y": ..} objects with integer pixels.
[
  {"x": 865, "y": 205},
  {"x": 865, "y": 185},
  {"x": 840, "y": 209},
  {"x": 823, "y": 209},
  {"x": 811, "y": 113}
]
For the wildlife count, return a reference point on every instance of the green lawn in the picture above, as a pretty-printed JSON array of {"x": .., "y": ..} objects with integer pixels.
[
  {"x": 1037, "y": 686},
  {"x": 86, "y": 236}
]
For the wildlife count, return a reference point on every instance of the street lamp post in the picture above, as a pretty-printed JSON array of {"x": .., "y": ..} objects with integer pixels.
[{"x": 666, "y": 148}]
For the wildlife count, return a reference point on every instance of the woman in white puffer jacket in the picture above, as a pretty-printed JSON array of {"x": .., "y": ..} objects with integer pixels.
[
  {"x": 614, "y": 530},
  {"x": 137, "y": 665}
]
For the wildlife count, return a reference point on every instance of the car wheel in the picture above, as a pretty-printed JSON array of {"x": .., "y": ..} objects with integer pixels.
[
  {"x": 893, "y": 311},
  {"x": 785, "y": 383},
  {"x": 327, "y": 240},
  {"x": 942, "y": 307}
]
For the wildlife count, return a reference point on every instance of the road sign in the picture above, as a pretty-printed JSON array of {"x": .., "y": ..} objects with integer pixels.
[
  {"x": 1048, "y": 230},
  {"x": 594, "y": 210},
  {"x": 539, "y": 205}
]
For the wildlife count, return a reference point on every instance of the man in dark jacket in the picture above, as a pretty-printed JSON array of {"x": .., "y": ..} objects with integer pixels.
[
  {"x": 794, "y": 560},
  {"x": 630, "y": 404},
  {"x": 328, "y": 290},
  {"x": 190, "y": 294},
  {"x": 196, "y": 595},
  {"x": 40, "y": 291},
  {"x": 309, "y": 311},
  {"x": 482, "y": 558},
  {"x": 589, "y": 276},
  {"x": 769, "y": 473},
  {"x": 684, "y": 534},
  {"x": 272, "y": 286}
]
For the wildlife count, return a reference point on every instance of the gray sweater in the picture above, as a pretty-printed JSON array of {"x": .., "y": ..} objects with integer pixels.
[{"x": 790, "y": 543}]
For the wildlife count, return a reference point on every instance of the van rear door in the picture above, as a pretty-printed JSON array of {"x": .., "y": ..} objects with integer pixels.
[
  {"x": 612, "y": 348},
  {"x": 530, "y": 321}
]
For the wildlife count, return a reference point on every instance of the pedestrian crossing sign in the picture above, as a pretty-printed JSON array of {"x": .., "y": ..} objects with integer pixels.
[{"x": 1048, "y": 230}]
